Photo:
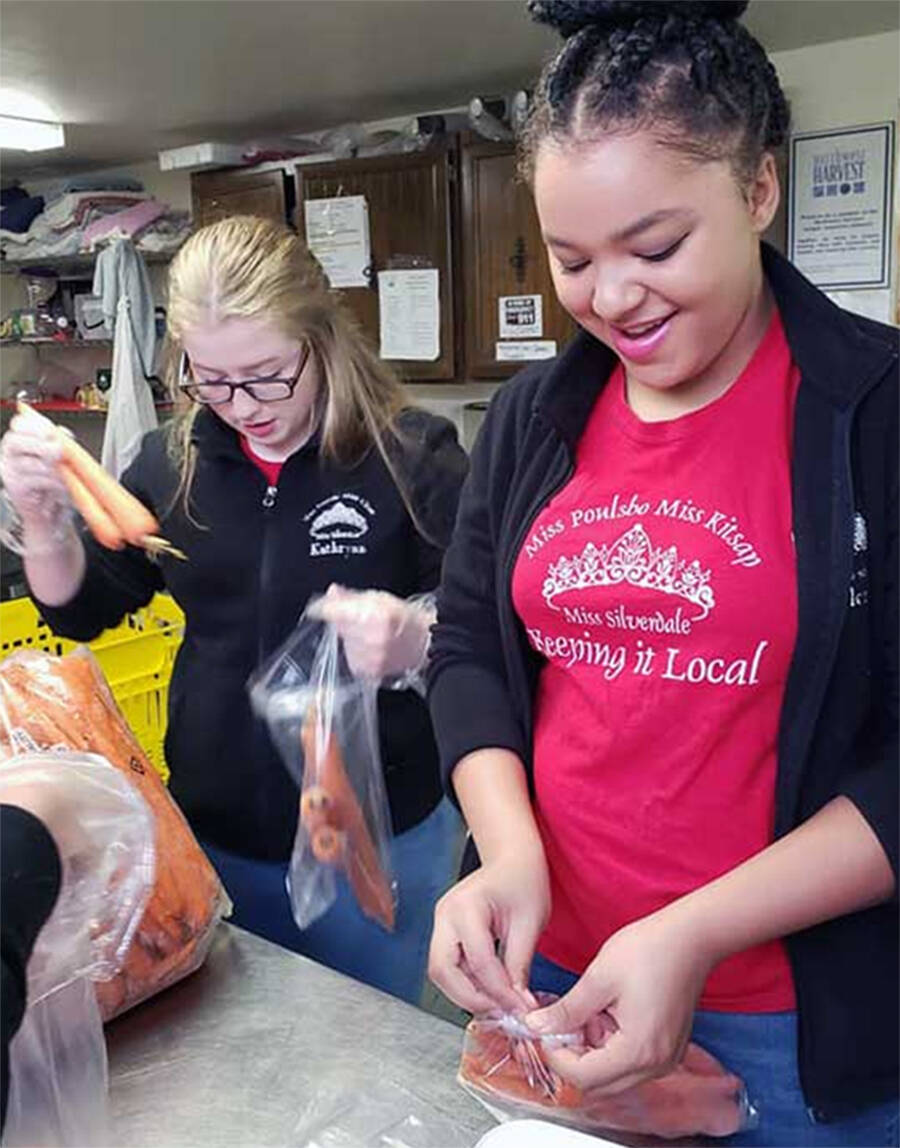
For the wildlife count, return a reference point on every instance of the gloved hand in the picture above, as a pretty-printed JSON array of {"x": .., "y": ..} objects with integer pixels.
[
  {"x": 385, "y": 637},
  {"x": 36, "y": 510}
]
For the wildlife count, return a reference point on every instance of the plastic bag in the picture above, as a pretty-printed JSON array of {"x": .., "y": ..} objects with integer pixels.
[
  {"x": 504, "y": 1067},
  {"x": 58, "y": 1073},
  {"x": 103, "y": 830},
  {"x": 50, "y": 703},
  {"x": 324, "y": 723},
  {"x": 359, "y": 1112},
  {"x": 424, "y": 607}
]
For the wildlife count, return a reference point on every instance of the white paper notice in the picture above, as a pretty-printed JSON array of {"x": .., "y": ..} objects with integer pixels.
[
  {"x": 521, "y": 317},
  {"x": 526, "y": 351},
  {"x": 409, "y": 314},
  {"x": 839, "y": 222},
  {"x": 337, "y": 233}
]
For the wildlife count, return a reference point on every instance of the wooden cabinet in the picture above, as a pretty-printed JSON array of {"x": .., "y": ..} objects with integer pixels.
[
  {"x": 502, "y": 255},
  {"x": 410, "y": 208},
  {"x": 217, "y": 194}
]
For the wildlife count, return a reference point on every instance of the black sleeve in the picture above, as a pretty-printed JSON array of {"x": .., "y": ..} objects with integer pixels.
[
  {"x": 30, "y": 877},
  {"x": 433, "y": 470},
  {"x": 471, "y": 707},
  {"x": 875, "y": 789},
  {"x": 116, "y": 582}
]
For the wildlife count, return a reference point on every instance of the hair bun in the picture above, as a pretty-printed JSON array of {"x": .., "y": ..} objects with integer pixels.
[{"x": 570, "y": 16}]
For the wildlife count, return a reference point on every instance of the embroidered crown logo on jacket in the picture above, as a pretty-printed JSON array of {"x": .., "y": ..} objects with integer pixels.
[{"x": 337, "y": 524}]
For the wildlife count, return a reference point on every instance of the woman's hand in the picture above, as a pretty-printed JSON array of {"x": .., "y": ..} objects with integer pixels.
[
  {"x": 635, "y": 1003},
  {"x": 485, "y": 932},
  {"x": 29, "y": 470},
  {"x": 383, "y": 635}
]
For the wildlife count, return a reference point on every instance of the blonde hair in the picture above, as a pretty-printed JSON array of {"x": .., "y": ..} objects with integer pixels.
[{"x": 252, "y": 268}]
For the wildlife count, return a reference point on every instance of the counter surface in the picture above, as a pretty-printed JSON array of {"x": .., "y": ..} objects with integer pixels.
[{"x": 235, "y": 1054}]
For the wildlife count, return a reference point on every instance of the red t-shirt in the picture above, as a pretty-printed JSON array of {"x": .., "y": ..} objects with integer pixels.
[
  {"x": 271, "y": 470},
  {"x": 659, "y": 584}
]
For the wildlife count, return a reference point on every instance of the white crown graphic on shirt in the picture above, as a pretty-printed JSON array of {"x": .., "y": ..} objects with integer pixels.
[
  {"x": 339, "y": 521},
  {"x": 631, "y": 560}
]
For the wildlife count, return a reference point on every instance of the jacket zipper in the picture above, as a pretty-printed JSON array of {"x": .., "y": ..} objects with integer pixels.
[{"x": 269, "y": 499}]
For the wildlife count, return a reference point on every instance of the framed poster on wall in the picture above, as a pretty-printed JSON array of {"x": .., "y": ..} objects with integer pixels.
[{"x": 839, "y": 208}]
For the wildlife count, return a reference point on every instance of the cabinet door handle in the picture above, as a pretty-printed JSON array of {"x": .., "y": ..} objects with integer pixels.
[{"x": 519, "y": 259}]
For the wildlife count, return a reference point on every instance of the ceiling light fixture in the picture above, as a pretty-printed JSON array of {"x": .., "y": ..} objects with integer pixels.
[{"x": 30, "y": 135}]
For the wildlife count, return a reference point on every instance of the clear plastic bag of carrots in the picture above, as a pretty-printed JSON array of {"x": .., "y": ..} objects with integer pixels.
[
  {"x": 65, "y": 704},
  {"x": 324, "y": 722},
  {"x": 103, "y": 831},
  {"x": 504, "y": 1066}
]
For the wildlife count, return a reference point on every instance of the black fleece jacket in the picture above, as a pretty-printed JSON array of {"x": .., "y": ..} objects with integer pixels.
[
  {"x": 30, "y": 878},
  {"x": 838, "y": 726},
  {"x": 255, "y": 556}
]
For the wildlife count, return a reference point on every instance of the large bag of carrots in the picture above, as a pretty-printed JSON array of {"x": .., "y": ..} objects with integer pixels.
[
  {"x": 504, "y": 1066},
  {"x": 103, "y": 831},
  {"x": 324, "y": 722},
  {"x": 65, "y": 704}
]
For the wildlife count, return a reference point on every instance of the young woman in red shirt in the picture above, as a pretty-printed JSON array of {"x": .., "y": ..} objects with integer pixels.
[{"x": 663, "y": 679}]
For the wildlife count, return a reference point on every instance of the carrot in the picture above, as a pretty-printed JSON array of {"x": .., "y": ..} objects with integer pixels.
[
  {"x": 112, "y": 514},
  {"x": 339, "y": 835},
  {"x": 315, "y": 807},
  {"x": 50, "y": 702},
  {"x": 328, "y": 845},
  {"x": 96, "y": 519},
  {"x": 133, "y": 519}
]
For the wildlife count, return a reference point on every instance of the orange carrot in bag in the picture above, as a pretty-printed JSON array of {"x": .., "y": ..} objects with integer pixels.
[
  {"x": 48, "y": 702},
  {"x": 331, "y": 813}
]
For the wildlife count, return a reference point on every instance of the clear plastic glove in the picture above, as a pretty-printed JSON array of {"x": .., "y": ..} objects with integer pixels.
[
  {"x": 35, "y": 509},
  {"x": 385, "y": 638},
  {"x": 104, "y": 832}
]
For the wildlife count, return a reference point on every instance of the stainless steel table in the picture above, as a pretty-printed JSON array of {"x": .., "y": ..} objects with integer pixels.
[{"x": 234, "y": 1055}]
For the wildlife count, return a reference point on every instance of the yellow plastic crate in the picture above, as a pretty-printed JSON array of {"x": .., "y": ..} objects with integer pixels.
[{"x": 136, "y": 657}]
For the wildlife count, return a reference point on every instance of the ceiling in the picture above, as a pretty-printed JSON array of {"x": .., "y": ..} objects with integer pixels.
[{"x": 131, "y": 77}]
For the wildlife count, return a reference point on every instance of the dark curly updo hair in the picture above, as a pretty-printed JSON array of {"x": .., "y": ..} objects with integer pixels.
[{"x": 685, "y": 69}]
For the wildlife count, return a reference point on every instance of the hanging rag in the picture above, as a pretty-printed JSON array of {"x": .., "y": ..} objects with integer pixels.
[
  {"x": 131, "y": 412},
  {"x": 120, "y": 270}
]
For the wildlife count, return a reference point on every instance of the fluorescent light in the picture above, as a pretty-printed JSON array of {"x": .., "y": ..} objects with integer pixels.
[{"x": 30, "y": 135}]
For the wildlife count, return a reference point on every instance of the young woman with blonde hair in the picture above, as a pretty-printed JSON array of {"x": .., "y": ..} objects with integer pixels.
[{"x": 294, "y": 462}]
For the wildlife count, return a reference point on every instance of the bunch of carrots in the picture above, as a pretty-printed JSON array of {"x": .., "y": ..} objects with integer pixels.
[{"x": 112, "y": 514}]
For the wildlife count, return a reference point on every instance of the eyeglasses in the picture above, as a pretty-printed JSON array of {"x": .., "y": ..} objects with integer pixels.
[{"x": 220, "y": 391}]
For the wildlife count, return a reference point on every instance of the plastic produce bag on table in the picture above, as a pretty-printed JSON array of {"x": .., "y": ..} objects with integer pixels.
[
  {"x": 104, "y": 831},
  {"x": 65, "y": 704},
  {"x": 351, "y": 1109},
  {"x": 324, "y": 722},
  {"x": 503, "y": 1065}
]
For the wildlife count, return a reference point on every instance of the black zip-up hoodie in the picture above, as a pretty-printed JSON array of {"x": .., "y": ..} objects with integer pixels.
[
  {"x": 255, "y": 556},
  {"x": 838, "y": 727}
]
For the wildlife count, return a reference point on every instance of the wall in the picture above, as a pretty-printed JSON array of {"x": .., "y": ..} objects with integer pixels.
[
  {"x": 839, "y": 84},
  {"x": 844, "y": 84}
]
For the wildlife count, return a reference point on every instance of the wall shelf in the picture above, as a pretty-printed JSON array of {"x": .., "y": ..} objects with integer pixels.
[
  {"x": 68, "y": 406},
  {"x": 48, "y": 341},
  {"x": 71, "y": 266}
]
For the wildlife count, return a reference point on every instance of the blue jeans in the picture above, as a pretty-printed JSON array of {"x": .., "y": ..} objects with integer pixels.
[
  {"x": 761, "y": 1048},
  {"x": 425, "y": 860}
]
